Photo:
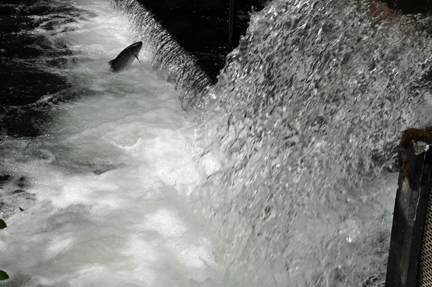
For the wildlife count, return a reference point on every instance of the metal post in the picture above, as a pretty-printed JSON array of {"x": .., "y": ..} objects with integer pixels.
[{"x": 414, "y": 184}]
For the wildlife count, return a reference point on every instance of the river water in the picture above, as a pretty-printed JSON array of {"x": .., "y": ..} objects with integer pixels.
[{"x": 282, "y": 174}]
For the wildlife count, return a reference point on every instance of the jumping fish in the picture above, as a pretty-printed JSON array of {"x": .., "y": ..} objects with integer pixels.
[{"x": 126, "y": 57}]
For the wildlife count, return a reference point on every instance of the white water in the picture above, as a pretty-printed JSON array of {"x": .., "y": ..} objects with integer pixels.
[
  {"x": 110, "y": 174},
  {"x": 305, "y": 122},
  {"x": 281, "y": 181}
]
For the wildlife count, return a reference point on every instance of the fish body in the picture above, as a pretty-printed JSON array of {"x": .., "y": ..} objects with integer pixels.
[{"x": 126, "y": 57}]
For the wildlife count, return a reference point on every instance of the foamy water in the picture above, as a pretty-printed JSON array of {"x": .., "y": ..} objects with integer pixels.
[{"x": 109, "y": 176}]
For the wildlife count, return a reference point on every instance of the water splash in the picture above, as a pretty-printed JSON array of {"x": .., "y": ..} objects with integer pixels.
[
  {"x": 305, "y": 122},
  {"x": 99, "y": 197}
]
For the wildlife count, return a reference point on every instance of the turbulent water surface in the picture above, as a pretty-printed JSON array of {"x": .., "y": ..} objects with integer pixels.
[
  {"x": 282, "y": 174},
  {"x": 103, "y": 188}
]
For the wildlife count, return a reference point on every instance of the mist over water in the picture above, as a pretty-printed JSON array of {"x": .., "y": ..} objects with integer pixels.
[{"x": 282, "y": 174}]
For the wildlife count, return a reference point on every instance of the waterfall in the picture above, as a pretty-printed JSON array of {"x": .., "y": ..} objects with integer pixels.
[
  {"x": 169, "y": 58},
  {"x": 283, "y": 173},
  {"x": 304, "y": 123}
]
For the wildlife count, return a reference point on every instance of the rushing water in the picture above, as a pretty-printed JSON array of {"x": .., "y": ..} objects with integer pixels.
[
  {"x": 309, "y": 111},
  {"x": 282, "y": 174},
  {"x": 103, "y": 188}
]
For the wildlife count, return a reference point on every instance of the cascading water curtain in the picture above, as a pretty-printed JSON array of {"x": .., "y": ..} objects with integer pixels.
[
  {"x": 304, "y": 123},
  {"x": 169, "y": 58}
]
